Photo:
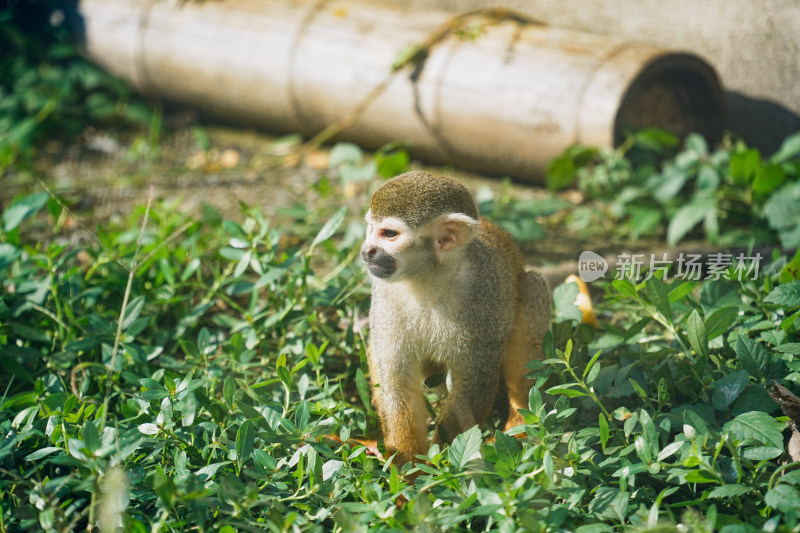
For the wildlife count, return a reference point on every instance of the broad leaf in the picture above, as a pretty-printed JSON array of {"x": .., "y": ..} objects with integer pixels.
[
  {"x": 728, "y": 388},
  {"x": 245, "y": 437},
  {"x": 757, "y": 425},
  {"x": 787, "y": 294},
  {"x": 687, "y": 217},
  {"x": 696, "y": 330},
  {"x": 330, "y": 227},
  {"x": 659, "y": 296},
  {"x": 465, "y": 446}
]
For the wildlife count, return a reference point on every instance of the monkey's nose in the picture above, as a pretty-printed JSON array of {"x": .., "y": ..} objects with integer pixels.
[{"x": 368, "y": 252}]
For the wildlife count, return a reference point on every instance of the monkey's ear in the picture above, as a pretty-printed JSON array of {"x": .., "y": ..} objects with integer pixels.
[{"x": 452, "y": 231}]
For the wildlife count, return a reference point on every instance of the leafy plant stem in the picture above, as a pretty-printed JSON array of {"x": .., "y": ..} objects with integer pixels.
[
  {"x": 590, "y": 391},
  {"x": 778, "y": 472},
  {"x": 580, "y": 381},
  {"x": 466, "y": 473}
]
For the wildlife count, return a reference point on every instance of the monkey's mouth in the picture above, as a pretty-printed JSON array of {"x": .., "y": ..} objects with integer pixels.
[
  {"x": 380, "y": 265},
  {"x": 382, "y": 269}
]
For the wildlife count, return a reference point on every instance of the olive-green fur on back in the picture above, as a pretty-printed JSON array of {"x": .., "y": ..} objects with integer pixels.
[{"x": 418, "y": 197}]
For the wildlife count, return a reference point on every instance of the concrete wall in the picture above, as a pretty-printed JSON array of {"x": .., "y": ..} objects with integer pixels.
[{"x": 755, "y": 46}]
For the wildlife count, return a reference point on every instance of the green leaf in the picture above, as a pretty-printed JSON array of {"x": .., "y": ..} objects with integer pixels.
[
  {"x": 391, "y": 163},
  {"x": 561, "y": 173},
  {"x": 91, "y": 438},
  {"x": 8, "y": 254},
  {"x": 148, "y": 429},
  {"x": 696, "y": 331},
  {"x": 656, "y": 139},
  {"x": 697, "y": 425},
  {"x": 728, "y": 388},
  {"x": 669, "y": 450},
  {"x": 232, "y": 254},
  {"x": 264, "y": 459},
  {"x": 343, "y": 153},
  {"x": 786, "y": 294},
  {"x": 562, "y": 170},
  {"x": 363, "y": 388},
  {"x": 729, "y": 491},
  {"x": 669, "y": 183},
  {"x": 720, "y": 321},
  {"x": 792, "y": 348},
  {"x": 566, "y": 390},
  {"x": 208, "y": 472},
  {"x": 610, "y": 503},
  {"x": 761, "y": 453},
  {"x": 590, "y": 365},
  {"x": 564, "y": 297},
  {"x": 701, "y": 476},
  {"x": 42, "y": 452},
  {"x": 788, "y": 150},
  {"x": 658, "y": 295},
  {"x": 757, "y": 425},
  {"x": 769, "y": 178},
  {"x": 465, "y": 446},
  {"x": 643, "y": 220},
  {"x": 744, "y": 165},
  {"x": 624, "y": 286},
  {"x": 753, "y": 356},
  {"x": 549, "y": 464},
  {"x": 707, "y": 179},
  {"x": 687, "y": 217},
  {"x": 245, "y": 437},
  {"x": 535, "y": 402},
  {"x": 228, "y": 390},
  {"x": 649, "y": 435},
  {"x": 696, "y": 143},
  {"x": 132, "y": 312},
  {"x": 604, "y": 430},
  {"x": 783, "y": 497},
  {"x": 506, "y": 446},
  {"x": 330, "y": 227},
  {"x": 594, "y": 528},
  {"x": 782, "y": 211},
  {"x": 329, "y": 468},
  {"x": 23, "y": 208},
  {"x": 236, "y": 231},
  {"x": 679, "y": 290}
]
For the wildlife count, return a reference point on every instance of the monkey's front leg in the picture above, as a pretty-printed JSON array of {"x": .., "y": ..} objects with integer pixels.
[{"x": 400, "y": 401}]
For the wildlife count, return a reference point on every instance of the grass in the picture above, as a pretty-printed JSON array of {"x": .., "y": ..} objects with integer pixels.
[
  {"x": 177, "y": 372},
  {"x": 173, "y": 372}
]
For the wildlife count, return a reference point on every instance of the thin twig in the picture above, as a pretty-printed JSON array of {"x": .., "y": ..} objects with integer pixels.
[{"x": 118, "y": 336}]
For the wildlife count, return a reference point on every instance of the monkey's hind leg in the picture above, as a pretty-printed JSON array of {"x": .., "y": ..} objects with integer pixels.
[
  {"x": 469, "y": 401},
  {"x": 531, "y": 322}
]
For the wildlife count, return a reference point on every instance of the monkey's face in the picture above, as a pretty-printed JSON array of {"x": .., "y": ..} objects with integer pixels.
[
  {"x": 386, "y": 238},
  {"x": 394, "y": 251}
]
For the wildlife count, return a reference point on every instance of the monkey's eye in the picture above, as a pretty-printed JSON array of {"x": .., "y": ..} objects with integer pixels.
[{"x": 389, "y": 233}]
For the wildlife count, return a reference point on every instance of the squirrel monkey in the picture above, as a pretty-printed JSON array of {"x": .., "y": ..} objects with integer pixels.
[{"x": 449, "y": 295}]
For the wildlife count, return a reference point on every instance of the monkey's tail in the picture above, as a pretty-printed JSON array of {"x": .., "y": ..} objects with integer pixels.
[{"x": 584, "y": 300}]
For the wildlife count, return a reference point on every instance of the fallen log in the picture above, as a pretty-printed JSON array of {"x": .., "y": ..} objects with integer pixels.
[{"x": 492, "y": 92}]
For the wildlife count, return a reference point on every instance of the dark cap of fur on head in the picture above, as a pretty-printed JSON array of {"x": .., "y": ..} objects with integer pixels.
[{"x": 418, "y": 197}]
